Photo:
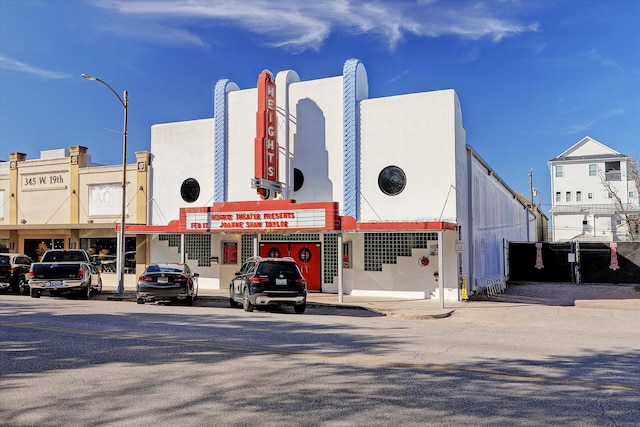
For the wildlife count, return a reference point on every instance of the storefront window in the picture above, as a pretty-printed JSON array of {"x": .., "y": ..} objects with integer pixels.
[
  {"x": 35, "y": 248},
  {"x": 105, "y": 251}
]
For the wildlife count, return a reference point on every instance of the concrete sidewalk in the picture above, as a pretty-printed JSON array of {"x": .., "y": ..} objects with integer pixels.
[{"x": 544, "y": 305}]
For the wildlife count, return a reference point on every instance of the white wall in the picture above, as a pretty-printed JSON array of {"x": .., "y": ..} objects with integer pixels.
[
  {"x": 316, "y": 137},
  {"x": 498, "y": 217},
  {"x": 242, "y": 107},
  {"x": 405, "y": 279},
  {"x": 416, "y": 133},
  {"x": 180, "y": 150}
]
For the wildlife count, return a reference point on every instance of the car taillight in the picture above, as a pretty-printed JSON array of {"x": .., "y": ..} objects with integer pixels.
[
  {"x": 31, "y": 273},
  {"x": 144, "y": 278},
  {"x": 80, "y": 273},
  {"x": 259, "y": 280}
]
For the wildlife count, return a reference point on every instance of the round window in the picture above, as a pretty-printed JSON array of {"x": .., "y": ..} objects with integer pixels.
[
  {"x": 392, "y": 180},
  {"x": 190, "y": 190},
  {"x": 304, "y": 255},
  {"x": 274, "y": 253},
  {"x": 298, "y": 179}
]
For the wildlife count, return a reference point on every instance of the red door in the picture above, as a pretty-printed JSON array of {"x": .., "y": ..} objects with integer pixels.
[{"x": 307, "y": 255}]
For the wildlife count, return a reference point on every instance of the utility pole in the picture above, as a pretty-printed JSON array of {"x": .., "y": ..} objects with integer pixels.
[{"x": 531, "y": 190}]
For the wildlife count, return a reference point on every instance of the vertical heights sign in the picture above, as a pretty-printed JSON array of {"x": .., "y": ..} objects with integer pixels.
[{"x": 266, "y": 144}]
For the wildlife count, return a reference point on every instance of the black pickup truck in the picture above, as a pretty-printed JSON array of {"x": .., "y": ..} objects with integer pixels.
[{"x": 64, "y": 270}]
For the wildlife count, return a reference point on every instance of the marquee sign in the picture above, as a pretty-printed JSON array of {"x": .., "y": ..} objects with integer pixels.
[
  {"x": 257, "y": 220},
  {"x": 260, "y": 216},
  {"x": 266, "y": 144}
]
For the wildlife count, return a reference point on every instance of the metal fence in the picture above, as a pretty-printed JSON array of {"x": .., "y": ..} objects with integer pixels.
[{"x": 575, "y": 262}]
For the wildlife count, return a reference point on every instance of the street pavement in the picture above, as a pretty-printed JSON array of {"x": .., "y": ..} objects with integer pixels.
[{"x": 594, "y": 308}]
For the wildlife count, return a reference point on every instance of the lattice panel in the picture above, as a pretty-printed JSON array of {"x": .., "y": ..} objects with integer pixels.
[
  {"x": 198, "y": 247},
  {"x": 385, "y": 248},
  {"x": 330, "y": 254},
  {"x": 246, "y": 247}
]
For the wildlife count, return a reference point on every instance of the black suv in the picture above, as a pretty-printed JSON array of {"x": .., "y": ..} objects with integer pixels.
[
  {"x": 19, "y": 272},
  {"x": 268, "y": 282},
  {"x": 14, "y": 272}
]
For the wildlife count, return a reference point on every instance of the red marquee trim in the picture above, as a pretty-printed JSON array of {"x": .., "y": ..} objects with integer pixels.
[
  {"x": 349, "y": 224},
  {"x": 333, "y": 221}
]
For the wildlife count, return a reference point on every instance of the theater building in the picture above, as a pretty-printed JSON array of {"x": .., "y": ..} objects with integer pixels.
[{"x": 372, "y": 196}]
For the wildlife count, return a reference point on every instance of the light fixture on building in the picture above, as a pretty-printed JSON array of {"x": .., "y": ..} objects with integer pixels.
[{"x": 23, "y": 221}]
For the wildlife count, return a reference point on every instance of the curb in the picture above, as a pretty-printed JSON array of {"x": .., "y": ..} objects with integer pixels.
[{"x": 389, "y": 313}]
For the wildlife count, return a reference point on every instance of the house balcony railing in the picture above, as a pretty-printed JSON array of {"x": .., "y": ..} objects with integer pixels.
[{"x": 613, "y": 176}]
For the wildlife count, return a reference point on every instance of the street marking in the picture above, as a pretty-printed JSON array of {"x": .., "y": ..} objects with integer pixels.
[{"x": 427, "y": 367}]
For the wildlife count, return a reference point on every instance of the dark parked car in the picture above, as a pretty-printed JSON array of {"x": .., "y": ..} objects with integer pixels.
[
  {"x": 20, "y": 265},
  {"x": 167, "y": 282},
  {"x": 5, "y": 272},
  {"x": 268, "y": 282}
]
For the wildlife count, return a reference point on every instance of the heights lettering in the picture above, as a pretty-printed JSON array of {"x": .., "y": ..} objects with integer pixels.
[{"x": 266, "y": 141}]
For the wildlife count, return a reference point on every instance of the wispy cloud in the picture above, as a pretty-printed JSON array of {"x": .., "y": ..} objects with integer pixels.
[
  {"x": 305, "y": 25},
  {"x": 402, "y": 74},
  {"x": 8, "y": 63},
  {"x": 580, "y": 128},
  {"x": 159, "y": 33},
  {"x": 589, "y": 57}
]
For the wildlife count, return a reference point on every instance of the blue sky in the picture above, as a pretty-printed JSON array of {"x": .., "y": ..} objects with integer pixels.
[{"x": 533, "y": 76}]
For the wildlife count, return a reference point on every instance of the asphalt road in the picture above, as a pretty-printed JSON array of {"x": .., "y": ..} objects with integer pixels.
[{"x": 66, "y": 362}]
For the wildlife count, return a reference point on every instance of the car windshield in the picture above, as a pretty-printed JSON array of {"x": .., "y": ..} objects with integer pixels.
[
  {"x": 269, "y": 268},
  {"x": 4, "y": 259}
]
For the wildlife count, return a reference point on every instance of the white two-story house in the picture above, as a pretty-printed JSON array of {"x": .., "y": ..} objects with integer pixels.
[{"x": 595, "y": 194}]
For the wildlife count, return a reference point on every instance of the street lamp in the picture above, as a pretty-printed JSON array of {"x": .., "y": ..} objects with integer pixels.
[{"x": 120, "y": 257}]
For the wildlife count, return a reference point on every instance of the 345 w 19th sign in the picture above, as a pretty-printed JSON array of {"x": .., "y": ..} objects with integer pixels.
[{"x": 48, "y": 181}]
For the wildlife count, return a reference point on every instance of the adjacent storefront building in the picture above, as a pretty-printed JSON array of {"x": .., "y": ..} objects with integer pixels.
[{"x": 62, "y": 200}]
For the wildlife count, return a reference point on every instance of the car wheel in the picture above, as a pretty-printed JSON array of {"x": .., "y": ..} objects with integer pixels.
[
  {"x": 300, "y": 308},
  {"x": 86, "y": 293},
  {"x": 21, "y": 287},
  {"x": 140, "y": 300},
  {"x": 25, "y": 289},
  {"x": 246, "y": 302},
  {"x": 188, "y": 300},
  {"x": 35, "y": 293},
  {"x": 232, "y": 302}
]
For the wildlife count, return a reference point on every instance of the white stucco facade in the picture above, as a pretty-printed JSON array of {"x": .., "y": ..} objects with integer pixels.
[{"x": 444, "y": 223}]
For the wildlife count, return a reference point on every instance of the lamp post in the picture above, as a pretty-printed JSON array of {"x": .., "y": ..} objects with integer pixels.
[{"x": 120, "y": 257}]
